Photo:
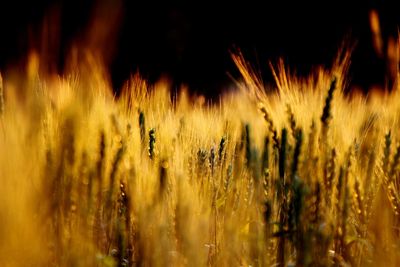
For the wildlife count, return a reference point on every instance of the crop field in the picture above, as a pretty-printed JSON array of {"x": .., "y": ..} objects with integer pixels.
[{"x": 301, "y": 173}]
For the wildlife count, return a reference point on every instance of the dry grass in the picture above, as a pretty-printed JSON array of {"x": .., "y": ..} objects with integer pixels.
[{"x": 299, "y": 175}]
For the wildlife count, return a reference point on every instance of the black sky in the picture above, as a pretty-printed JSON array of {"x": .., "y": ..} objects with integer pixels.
[{"x": 190, "y": 40}]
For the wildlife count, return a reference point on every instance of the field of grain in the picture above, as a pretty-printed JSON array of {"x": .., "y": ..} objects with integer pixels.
[{"x": 297, "y": 174}]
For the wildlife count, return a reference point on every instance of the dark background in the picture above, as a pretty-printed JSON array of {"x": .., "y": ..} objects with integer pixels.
[{"x": 189, "y": 41}]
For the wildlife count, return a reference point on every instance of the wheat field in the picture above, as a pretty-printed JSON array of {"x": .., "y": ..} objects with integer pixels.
[{"x": 297, "y": 174}]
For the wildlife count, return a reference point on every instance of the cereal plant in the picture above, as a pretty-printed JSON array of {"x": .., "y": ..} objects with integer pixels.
[{"x": 293, "y": 174}]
